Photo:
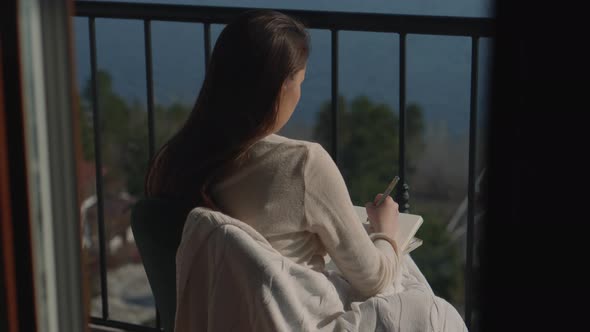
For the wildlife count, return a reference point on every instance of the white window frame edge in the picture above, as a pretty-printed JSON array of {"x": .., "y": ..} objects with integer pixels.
[{"x": 51, "y": 162}]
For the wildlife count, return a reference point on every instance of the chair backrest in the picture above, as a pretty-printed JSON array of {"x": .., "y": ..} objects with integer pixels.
[{"x": 157, "y": 228}]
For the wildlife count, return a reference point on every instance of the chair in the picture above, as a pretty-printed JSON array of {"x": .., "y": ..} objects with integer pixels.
[{"x": 157, "y": 228}]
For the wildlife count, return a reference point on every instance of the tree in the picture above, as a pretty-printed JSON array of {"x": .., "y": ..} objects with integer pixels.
[
  {"x": 368, "y": 151},
  {"x": 439, "y": 258},
  {"x": 124, "y": 133}
]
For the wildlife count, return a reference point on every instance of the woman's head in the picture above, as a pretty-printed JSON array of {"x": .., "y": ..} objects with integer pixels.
[
  {"x": 251, "y": 88},
  {"x": 256, "y": 58}
]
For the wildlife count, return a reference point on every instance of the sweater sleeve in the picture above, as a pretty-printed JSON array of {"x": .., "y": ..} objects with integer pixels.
[{"x": 329, "y": 212}]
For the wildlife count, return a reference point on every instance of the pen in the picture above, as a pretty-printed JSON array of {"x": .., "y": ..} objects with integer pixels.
[{"x": 387, "y": 191}]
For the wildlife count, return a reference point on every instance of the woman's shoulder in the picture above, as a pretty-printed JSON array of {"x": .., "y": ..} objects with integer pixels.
[
  {"x": 290, "y": 145},
  {"x": 283, "y": 140},
  {"x": 281, "y": 150},
  {"x": 314, "y": 156},
  {"x": 278, "y": 139}
]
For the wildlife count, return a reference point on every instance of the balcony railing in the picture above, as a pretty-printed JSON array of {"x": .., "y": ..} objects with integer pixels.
[{"x": 402, "y": 25}]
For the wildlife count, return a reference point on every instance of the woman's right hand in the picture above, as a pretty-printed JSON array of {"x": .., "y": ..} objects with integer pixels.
[{"x": 383, "y": 218}]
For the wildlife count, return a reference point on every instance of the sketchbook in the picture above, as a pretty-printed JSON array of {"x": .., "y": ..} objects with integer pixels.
[{"x": 408, "y": 226}]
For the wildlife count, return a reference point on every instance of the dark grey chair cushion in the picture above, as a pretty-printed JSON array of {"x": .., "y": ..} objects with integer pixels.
[{"x": 157, "y": 228}]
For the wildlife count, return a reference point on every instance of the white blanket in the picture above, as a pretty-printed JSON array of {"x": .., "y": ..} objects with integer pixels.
[{"x": 229, "y": 278}]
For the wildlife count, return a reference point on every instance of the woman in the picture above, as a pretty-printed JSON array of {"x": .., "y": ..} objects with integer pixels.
[{"x": 227, "y": 157}]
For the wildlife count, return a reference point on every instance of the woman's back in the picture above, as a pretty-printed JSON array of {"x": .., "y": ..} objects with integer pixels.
[{"x": 268, "y": 194}]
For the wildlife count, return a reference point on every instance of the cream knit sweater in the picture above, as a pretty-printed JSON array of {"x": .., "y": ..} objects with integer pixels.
[{"x": 292, "y": 193}]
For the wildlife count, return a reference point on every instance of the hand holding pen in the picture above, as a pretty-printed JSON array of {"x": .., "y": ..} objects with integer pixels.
[{"x": 384, "y": 217}]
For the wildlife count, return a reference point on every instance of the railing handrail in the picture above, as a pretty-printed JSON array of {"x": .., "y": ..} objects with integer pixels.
[{"x": 346, "y": 21}]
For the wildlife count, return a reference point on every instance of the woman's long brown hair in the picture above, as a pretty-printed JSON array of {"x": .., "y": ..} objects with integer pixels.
[{"x": 237, "y": 106}]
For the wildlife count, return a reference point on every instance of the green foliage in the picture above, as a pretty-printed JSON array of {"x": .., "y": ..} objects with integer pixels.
[
  {"x": 439, "y": 258},
  {"x": 124, "y": 134},
  {"x": 368, "y": 137},
  {"x": 86, "y": 131}
]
